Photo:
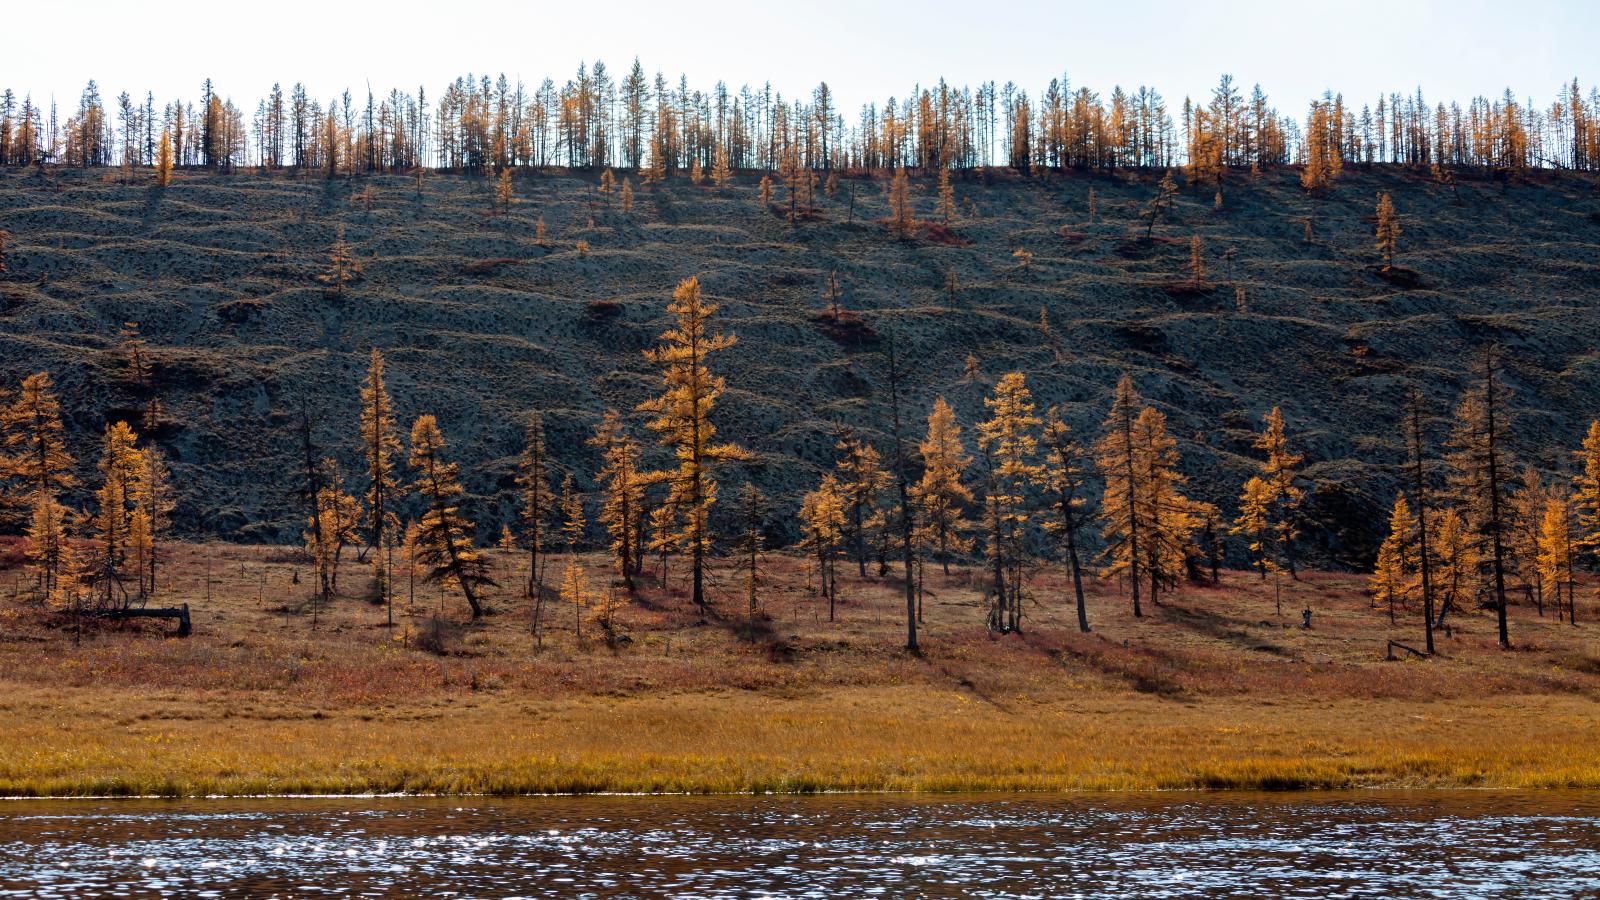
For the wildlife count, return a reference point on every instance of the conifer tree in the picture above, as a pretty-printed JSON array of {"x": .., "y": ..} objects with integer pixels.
[
  {"x": 154, "y": 501},
  {"x": 164, "y": 160},
  {"x": 50, "y": 557},
  {"x": 33, "y": 449},
  {"x": 1392, "y": 579},
  {"x": 1388, "y": 230},
  {"x": 1173, "y": 517},
  {"x": 503, "y": 192},
  {"x": 1555, "y": 559},
  {"x": 623, "y": 488},
  {"x": 1283, "y": 496},
  {"x": 444, "y": 535},
  {"x": 533, "y": 484},
  {"x": 752, "y": 506},
  {"x": 539, "y": 236},
  {"x": 1480, "y": 462},
  {"x": 1009, "y": 440},
  {"x": 764, "y": 192},
  {"x": 334, "y": 524},
  {"x": 115, "y": 504},
  {"x": 861, "y": 479},
  {"x": 1254, "y": 523},
  {"x": 626, "y": 196},
  {"x": 1197, "y": 260},
  {"x": 379, "y": 445},
  {"x": 941, "y": 497},
  {"x": 1125, "y": 504},
  {"x": 947, "y": 197},
  {"x": 1160, "y": 203},
  {"x": 1586, "y": 493},
  {"x": 607, "y": 180},
  {"x": 1416, "y": 452},
  {"x": 578, "y": 593},
  {"x": 822, "y": 512},
  {"x": 1064, "y": 475},
  {"x": 343, "y": 267},
  {"x": 901, "y": 220},
  {"x": 721, "y": 174},
  {"x": 574, "y": 523},
  {"x": 682, "y": 418},
  {"x": 1527, "y": 515}
]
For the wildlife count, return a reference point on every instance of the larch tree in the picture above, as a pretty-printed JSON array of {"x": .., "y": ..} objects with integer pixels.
[
  {"x": 902, "y": 480},
  {"x": 1125, "y": 503},
  {"x": 154, "y": 500},
  {"x": 343, "y": 266},
  {"x": 1555, "y": 552},
  {"x": 1283, "y": 495},
  {"x": 533, "y": 487},
  {"x": 1527, "y": 514},
  {"x": 947, "y": 197},
  {"x": 1416, "y": 453},
  {"x": 1393, "y": 577},
  {"x": 1254, "y": 522},
  {"x": 901, "y": 220},
  {"x": 863, "y": 480},
  {"x": 625, "y": 197},
  {"x": 444, "y": 535},
  {"x": 1480, "y": 466},
  {"x": 764, "y": 191},
  {"x": 51, "y": 560},
  {"x": 33, "y": 447},
  {"x": 115, "y": 506},
  {"x": 1388, "y": 230},
  {"x": 1009, "y": 439},
  {"x": 503, "y": 193},
  {"x": 752, "y": 511},
  {"x": 1065, "y": 471},
  {"x": 1457, "y": 562},
  {"x": 1173, "y": 518},
  {"x": 574, "y": 522},
  {"x": 721, "y": 174},
  {"x": 164, "y": 159},
  {"x": 682, "y": 419},
  {"x": 623, "y": 488},
  {"x": 822, "y": 514},
  {"x": 942, "y": 498},
  {"x": 1197, "y": 260},
  {"x": 1586, "y": 493},
  {"x": 335, "y": 524},
  {"x": 577, "y": 592},
  {"x": 380, "y": 444}
]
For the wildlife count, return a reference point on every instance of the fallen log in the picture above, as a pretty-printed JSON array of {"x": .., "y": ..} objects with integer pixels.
[
  {"x": 1411, "y": 650},
  {"x": 181, "y": 613}
]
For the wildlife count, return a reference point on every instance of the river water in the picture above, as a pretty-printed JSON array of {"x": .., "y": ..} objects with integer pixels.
[{"x": 1157, "y": 845}]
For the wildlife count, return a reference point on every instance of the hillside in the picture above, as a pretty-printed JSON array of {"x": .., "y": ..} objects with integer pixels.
[{"x": 481, "y": 322}]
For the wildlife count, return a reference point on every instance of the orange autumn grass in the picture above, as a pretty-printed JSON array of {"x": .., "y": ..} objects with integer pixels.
[{"x": 1211, "y": 690}]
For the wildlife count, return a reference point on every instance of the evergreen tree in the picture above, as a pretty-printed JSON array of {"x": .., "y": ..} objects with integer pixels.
[
  {"x": 682, "y": 418},
  {"x": 444, "y": 535}
]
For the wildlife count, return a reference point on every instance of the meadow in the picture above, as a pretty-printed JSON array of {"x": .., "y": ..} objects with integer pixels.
[{"x": 1212, "y": 689}]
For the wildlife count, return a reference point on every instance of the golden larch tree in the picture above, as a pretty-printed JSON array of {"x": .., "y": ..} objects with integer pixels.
[
  {"x": 682, "y": 419},
  {"x": 822, "y": 515},
  {"x": 533, "y": 486},
  {"x": 1555, "y": 558},
  {"x": 863, "y": 480},
  {"x": 343, "y": 266},
  {"x": 1010, "y": 441},
  {"x": 444, "y": 536},
  {"x": 941, "y": 497},
  {"x": 901, "y": 220},
  {"x": 1388, "y": 230},
  {"x": 623, "y": 492},
  {"x": 380, "y": 445},
  {"x": 1125, "y": 504},
  {"x": 1393, "y": 579},
  {"x": 164, "y": 159},
  {"x": 113, "y": 519}
]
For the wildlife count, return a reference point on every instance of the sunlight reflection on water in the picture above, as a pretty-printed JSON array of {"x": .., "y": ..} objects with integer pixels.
[{"x": 1323, "y": 846}]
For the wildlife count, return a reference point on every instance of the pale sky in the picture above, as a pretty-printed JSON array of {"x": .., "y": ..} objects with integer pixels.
[{"x": 1454, "y": 49}]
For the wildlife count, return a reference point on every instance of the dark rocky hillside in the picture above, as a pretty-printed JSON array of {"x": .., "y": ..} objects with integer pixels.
[{"x": 481, "y": 323}]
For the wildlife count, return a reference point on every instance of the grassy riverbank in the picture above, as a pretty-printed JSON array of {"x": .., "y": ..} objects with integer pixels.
[{"x": 1211, "y": 690}]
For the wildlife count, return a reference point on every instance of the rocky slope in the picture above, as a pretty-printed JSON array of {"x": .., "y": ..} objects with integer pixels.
[{"x": 481, "y": 322}]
